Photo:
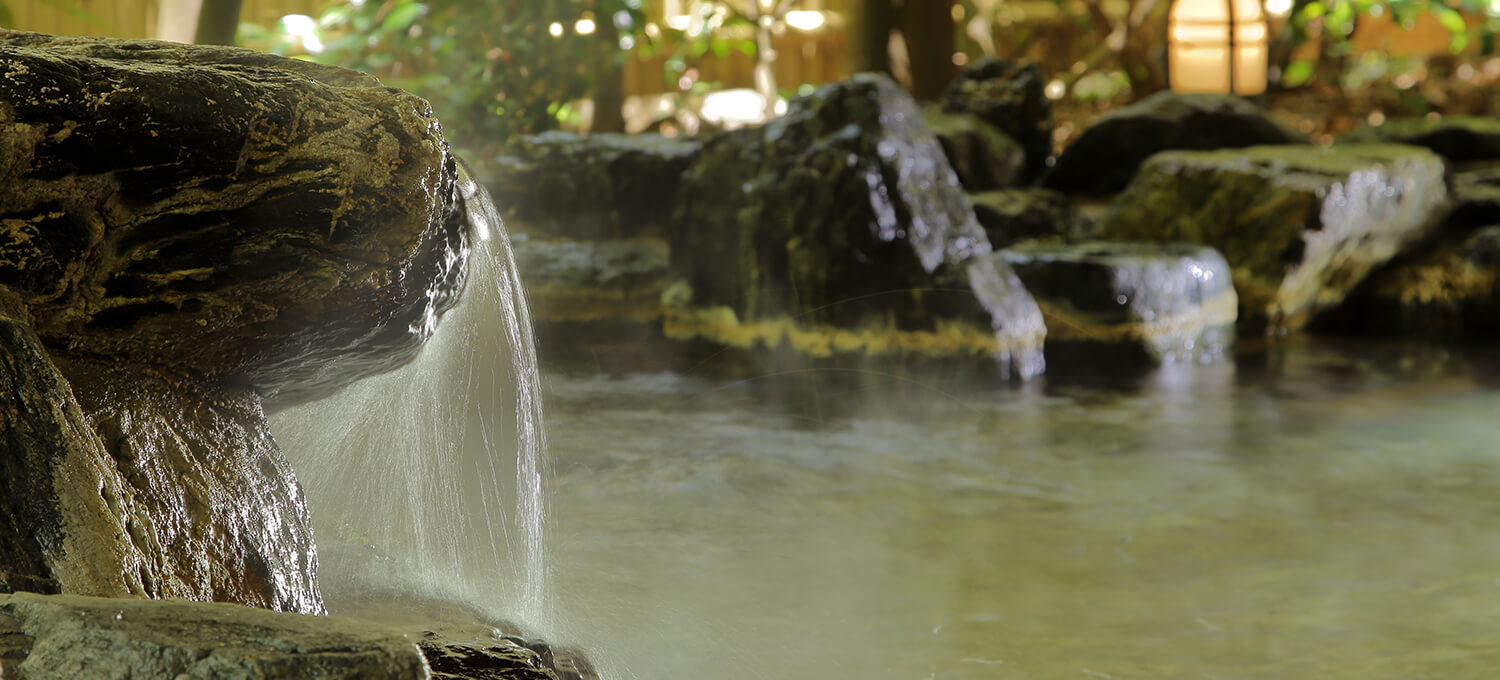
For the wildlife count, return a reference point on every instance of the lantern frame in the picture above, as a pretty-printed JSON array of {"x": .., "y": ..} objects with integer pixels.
[{"x": 1196, "y": 39}]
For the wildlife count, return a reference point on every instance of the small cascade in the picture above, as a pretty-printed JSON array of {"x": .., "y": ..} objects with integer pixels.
[{"x": 406, "y": 473}]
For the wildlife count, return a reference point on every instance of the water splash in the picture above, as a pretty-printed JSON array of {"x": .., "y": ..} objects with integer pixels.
[{"x": 405, "y": 472}]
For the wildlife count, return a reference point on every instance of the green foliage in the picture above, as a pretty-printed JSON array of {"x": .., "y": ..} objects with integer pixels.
[
  {"x": 1338, "y": 19},
  {"x": 491, "y": 68}
]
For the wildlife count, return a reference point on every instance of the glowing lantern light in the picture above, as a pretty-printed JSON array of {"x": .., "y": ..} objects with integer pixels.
[{"x": 1217, "y": 46}]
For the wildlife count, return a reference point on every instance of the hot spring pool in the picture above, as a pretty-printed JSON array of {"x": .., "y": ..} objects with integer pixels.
[{"x": 1330, "y": 511}]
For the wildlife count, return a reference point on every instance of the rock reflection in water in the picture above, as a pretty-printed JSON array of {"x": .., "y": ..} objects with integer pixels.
[{"x": 1319, "y": 515}]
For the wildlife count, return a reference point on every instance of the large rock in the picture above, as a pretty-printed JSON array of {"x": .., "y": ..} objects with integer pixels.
[
  {"x": 1013, "y": 215},
  {"x": 128, "y": 483},
  {"x": 1159, "y": 303},
  {"x": 588, "y": 187},
  {"x": 231, "y": 214},
  {"x": 1010, "y": 95},
  {"x": 1461, "y": 139},
  {"x": 65, "y": 637},
  {"x": 1104, "y": 158},
  {"x": 983, "y": 157},
  {"x": 840, "y": 228},
  {"x": 1299, "y": 225}
]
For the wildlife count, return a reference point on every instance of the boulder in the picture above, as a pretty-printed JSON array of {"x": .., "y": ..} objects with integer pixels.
[
  {"x": 840, "y": 227},
  {"x": 1460, "y": 139},
  {"x": 220, "y": 212},
  {"x": 1299, "y": 225},
  {"x": 1157, "y": 302},
  {"x": 1010, "y": 95},
  {"x": 1451, "y": 292},
  {"x": 590, "y": 186},
  {"x": 1104, "y": 158},
  {"x": 1013, "y": 215},
  {"x": 127, "y": 483},
  {"x": 63, "y": 637},
  {"x": 983, "y": 157}
]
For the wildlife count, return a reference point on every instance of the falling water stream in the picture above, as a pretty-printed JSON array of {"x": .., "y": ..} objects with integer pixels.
[{"x": 409, "y": 474}]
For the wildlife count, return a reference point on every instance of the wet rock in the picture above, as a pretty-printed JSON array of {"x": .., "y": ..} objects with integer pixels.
[
  {"x": 1299, "y": 225},
  {"x": 1461, "y": 139},
  {"x": 1167, "y": 302},
  {"x": 839, "y": 227},
  {"x": 130, "y": 483},
  {"x": 58, "y": 527},
  {"x": 214, "y": 506},
  {"x": 584, "y": 280},
  {"x": 983, "y": 157},
  {"x": 1104, "y": 158},
  {"x": 1010, "y": 95},
  {"x": 64, "y": 637},
  {"x": 589, "y": 187},
  {"x": 231, "y": 214},
  {"x": 1451, "y": 292},
  {"x": 1015, "y": 215},
  {"x": 495, "y": 659}
]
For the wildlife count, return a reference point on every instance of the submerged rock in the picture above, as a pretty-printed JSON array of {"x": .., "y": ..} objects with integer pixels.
[
  {"x": 1460, "y": 139},
  {"x": 1010, "y": 95},
  {"x": 1104, "y": 158},
  {"x": 590, "y": 187},
  {"x": 1157, "y": 302},
  {"x": 222, "y": 212},
  {"x": 1015, "y": 215},
  {"x": 983, "y": 157},
  {"x": 65, "y": 637},
  {"x": 1299, "y": 225},
  {"x": 840, "y": 228}
]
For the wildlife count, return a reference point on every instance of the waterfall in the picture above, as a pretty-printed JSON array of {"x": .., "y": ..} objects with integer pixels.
[{"x": 405, "y": 472}]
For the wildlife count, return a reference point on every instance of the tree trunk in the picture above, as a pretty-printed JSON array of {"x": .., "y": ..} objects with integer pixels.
[
  {"x": 870, "y": 26},
  {"x": 929, "y": 29},
  {"x": 609, "y": 79},
  {"x": 218, "y": 21}
]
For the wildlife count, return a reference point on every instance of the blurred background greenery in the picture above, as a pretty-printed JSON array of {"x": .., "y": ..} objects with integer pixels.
[{"x": 497, "y": 68}]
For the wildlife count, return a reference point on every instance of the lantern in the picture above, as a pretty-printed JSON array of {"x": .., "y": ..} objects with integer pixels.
[{"x": 1217, "y": 46}]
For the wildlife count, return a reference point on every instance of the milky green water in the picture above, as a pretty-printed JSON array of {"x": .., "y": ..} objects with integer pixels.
[{"x": 1328, "y": 512}]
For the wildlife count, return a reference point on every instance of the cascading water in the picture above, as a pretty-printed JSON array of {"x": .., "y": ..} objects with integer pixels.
[{"x": 405, "y": 472}]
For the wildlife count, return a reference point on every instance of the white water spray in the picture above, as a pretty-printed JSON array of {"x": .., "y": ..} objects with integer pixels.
[{"x": 405, "y": 472}]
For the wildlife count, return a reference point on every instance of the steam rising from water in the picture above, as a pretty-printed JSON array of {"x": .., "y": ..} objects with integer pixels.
[{"x": 408, "y": 473}]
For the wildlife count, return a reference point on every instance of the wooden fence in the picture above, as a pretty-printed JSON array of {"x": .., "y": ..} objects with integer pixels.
[{"x": 131, "y": 18}]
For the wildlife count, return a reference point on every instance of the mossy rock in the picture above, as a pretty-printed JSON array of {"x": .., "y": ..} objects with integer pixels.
[
  {"x": 1299, "y": 225},
  {"x": 1449, "y": 293},
  {"x": 983, "y": 157},
  {"x": 839, "y": 227},
  {"x": 1013, "y": 215}
]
